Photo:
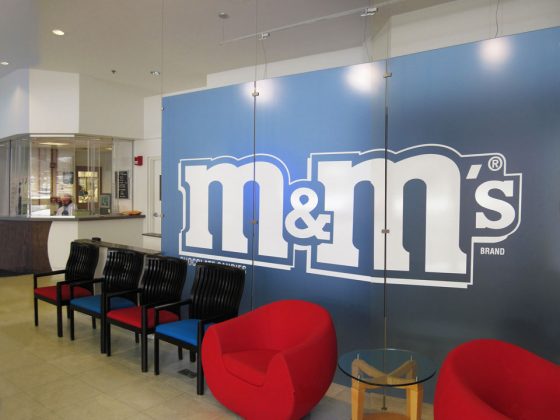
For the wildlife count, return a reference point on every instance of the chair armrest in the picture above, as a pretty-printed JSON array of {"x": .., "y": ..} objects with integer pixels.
[
  {"x": 170, "y": 305},
  {"x": 217, "y": 318},
  {"x": 49, "y": 273},
  {"x": 106, "y": 297},
  {"x": 81, "y": 283}
]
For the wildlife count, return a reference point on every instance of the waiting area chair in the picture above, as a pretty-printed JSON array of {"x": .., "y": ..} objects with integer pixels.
[
  {"x": 495, "y": 380},
  {"x": 215, "y": 296},
  {"x": 273, "y": 363},
  {"x": 162, "y": 282},
  {"x": 121, "y": 272},
  {"x": 80, "y": 266}
]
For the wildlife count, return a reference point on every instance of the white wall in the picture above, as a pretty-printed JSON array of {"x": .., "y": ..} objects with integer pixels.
[
  {"x": 281, "y": 68},
  {"x": 149, "y": 146},
  {"x": 14, "y": 103},
  {"x": 110, "y": 109},
  {"x": 463, "y": 21},
  {"x": 54, "y": 101}
]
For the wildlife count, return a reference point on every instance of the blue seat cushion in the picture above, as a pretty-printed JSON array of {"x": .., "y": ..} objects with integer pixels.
[
  {"x": 185, "y": 330},
  {"x": 93, "y": 303}
]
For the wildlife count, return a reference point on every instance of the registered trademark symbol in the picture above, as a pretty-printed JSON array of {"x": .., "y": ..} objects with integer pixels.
[{"x": 495, "y": 163}]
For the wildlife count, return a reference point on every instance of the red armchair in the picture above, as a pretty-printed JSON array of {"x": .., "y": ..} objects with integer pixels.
[
  {"x": 494, "y": 380},
  {"x": 275, "y": 362}
]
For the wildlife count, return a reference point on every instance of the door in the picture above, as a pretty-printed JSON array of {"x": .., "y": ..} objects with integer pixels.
[{"x": 154, "y": 195}]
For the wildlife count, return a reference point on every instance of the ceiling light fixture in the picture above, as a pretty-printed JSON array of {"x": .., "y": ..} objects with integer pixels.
[
  {"x": 4, "y": 63},
  {"x": 155, "y": 73},
  {"x": 223, "y": 15},
  {"x": 367, "y": 11},
  {"x": 58, "y": 32}
]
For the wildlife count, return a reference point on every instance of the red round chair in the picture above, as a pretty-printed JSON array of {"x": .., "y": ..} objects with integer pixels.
[
  {"x": 491, "y": 380},
  {"x": 275, "y": 362}
]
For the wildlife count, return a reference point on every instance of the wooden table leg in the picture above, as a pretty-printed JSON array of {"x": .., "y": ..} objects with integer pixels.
[
  {"x": 414, "y": 398},
  {"x": 358, "y": 392}
]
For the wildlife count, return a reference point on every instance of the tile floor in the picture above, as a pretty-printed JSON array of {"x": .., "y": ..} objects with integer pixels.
[{"x": 46, "y": 377}]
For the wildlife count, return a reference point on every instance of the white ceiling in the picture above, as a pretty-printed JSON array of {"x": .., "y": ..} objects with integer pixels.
[{"x": 182, "y": 38}]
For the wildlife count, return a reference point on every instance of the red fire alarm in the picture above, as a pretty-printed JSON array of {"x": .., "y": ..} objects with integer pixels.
[{"x": 138, "y": 160}]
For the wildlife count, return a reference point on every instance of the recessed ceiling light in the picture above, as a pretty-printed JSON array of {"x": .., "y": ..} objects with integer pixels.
[
  {"x": 58, "y": 32},
  {"x": 4, "y": 63},
  {"x": 155, "y": 73}
]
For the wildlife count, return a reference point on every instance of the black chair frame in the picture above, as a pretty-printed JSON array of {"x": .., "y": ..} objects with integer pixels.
[
  {"x": 143, "y": 331},
  {"x": 194, "y": 350},
  {"x": 133, "y": 276},
  {"x": 80, "y": 273},
  {"x": 213, "y": 299}
]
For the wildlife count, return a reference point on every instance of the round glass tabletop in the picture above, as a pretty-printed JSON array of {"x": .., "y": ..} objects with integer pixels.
[{"x": 387, "y": 367}]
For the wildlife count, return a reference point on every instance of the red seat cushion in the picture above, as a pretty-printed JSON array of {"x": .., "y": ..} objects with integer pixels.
[
  {"x": 133, "y": 316},
  {"x": 49, "y": 292},
  {"x": 250, "y": 365}
]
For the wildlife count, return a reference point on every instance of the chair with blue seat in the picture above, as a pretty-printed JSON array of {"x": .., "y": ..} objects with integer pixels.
[
  {"x": 162, "y": 283},
  {"x": 215, "y": 296},
  {"x": 80, "y": 266},
  {"x": 121, "y": 272}
]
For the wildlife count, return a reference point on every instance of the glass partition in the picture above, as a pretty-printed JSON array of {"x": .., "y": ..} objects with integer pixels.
[
  {"x": 4, "y": 178},
  {"x": 65, "y": 175},
  {"x": 19, "y": 177}
]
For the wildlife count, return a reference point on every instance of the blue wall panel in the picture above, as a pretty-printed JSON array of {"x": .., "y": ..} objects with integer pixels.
[{"x": 291, "y": 185}]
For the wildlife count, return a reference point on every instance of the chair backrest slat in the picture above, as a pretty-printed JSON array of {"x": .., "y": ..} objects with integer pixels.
[
  {"x": 163, "y": 279},
  {"x": 217, "y": 289},
  {"x": 122, "y": 270},
  {"x": 82, "y": 261}
]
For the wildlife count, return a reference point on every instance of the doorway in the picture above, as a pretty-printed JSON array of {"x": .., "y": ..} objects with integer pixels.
[{"x": 154, "y": 195}]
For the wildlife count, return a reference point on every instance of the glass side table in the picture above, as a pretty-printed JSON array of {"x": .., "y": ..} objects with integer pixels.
[{"x": 380, "y": 368}]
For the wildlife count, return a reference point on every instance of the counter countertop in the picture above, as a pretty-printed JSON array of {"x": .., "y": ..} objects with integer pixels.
[
  {"x": 118, "y": 246},
  {"x": 68, "y": 218}
]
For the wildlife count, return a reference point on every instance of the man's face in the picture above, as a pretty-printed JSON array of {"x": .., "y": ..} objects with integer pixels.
[{"x": 65, "y": 201}]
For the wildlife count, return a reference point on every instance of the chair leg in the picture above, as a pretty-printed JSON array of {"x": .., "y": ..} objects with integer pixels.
[
  {"x": 156, "y": 356},
  {"x": 108, "y": 338},
  {"x": 68, "y": 312},
  {"x": 102, "y": 334},
  {"x": 136, "y": 338},
  {"x": 93, "y": 323},
  {"x": 71, "y": 323},
  {"x": 180, "y": 352},
  {"x": 59, "y": 320},
  {"x": 36, "y": 310},
  {"x": 192, "y": 356},
  {"x": 144, "y": 350},
  {"x": 199, "y": 376}
]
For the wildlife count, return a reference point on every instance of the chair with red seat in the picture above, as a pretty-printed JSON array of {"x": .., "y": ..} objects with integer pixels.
[
  {"x": 80, "y": 266},
  {"x": 495, "y": 380},
  {"x": 121, "y": 272},
  {"x": 275, "y": 362},
  {"x": 162, "y": 283}
]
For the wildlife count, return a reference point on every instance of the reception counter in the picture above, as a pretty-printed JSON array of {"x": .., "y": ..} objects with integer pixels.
[{"x": 38, "y": 244}]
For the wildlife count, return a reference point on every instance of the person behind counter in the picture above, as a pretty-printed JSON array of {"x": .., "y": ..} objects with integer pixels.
[{"x": 66, "y": 206}]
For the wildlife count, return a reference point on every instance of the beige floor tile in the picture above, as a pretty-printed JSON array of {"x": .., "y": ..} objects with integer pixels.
[
  {"x": 110, "y": 378},
  {"x": 31, "y": 376},
  {"x": 63, "y": 392},
  {"x": 7, "y": 388},
  {"x": 101, "y": 407},
  {"x": 146, "y": 393},
  {"x": 187, "y": 407},
  {"x": 21, "y": 407}
]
